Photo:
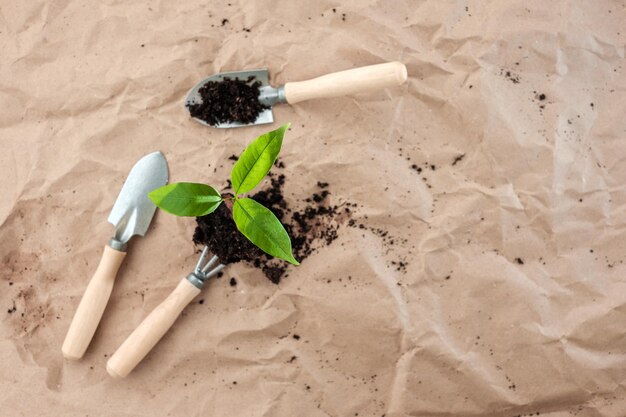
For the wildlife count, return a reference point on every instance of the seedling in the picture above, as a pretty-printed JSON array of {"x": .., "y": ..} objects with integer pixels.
[{"x": 253, "y": 220}]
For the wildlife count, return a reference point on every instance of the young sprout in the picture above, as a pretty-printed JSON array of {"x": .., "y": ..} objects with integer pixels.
[{"x": 253, "y": 220}]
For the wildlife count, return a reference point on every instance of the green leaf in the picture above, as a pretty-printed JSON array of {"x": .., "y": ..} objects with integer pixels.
[
  {"x": 256, "y": 161},
  {"x": 186, "y": 199},
  {"x": 262, "y": 228}
]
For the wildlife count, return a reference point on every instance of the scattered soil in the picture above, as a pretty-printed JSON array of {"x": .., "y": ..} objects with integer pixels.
[
  {"x": 458, "y": 159},
  {"x": 423, "y": 171},
  {"x": 310, "y": 227},
  {"x": 312, "y": 223},
  {"x": 228, "y": 101},
  {"x": 541, "y": 98},
  {"x": 511, "y": 76},
  {"x": 389, "y": 241}
]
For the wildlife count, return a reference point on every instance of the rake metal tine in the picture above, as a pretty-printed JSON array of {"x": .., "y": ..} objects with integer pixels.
[
  {"x": 215, "y": 271},
  {"x": 201, "y": 259},
  {"x": 209, "y": 264}
]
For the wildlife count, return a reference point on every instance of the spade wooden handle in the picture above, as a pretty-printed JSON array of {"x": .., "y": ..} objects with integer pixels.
[
  {"x": 150, "y": 331},
  {"x": 353, "y": 81},
  {"x": 92, "y": 304}
]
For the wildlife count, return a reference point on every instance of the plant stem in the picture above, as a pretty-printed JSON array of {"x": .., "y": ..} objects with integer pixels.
[{"x": 229, "y": 203}]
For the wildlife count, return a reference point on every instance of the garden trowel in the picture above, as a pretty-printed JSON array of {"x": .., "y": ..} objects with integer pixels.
[
  {"x": 131, "y": 215},
  {"x": 352, "y": 81}
]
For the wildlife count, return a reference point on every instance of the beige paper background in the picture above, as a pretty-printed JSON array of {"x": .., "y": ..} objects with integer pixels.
[{"x": 82, "y": 100}]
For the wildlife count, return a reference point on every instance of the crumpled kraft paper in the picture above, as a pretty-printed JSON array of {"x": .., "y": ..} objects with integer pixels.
[{"x": 502, "y": 295}]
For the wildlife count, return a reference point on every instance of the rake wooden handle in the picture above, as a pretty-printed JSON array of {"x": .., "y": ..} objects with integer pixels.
[
  {"x": 92, "y": 304},
  {"x": 353, "y": 81},
  {"x": 151, "y": 330}
]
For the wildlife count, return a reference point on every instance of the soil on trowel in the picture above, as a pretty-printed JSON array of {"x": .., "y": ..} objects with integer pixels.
[
  {"x": 313, "y": 224},
  {"x": 228, "y": 101}
]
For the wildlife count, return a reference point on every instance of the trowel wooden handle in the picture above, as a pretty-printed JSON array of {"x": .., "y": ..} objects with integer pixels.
[
  {"x": 150, "y": 331},
  {"x": 92, "y": 305},
  {"x": 353, "y": 81}
]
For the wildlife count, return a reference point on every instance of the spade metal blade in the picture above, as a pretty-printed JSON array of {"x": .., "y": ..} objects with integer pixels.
[
  {"x": 133, "y": 210},
  {"x": 268, "y": 95}
]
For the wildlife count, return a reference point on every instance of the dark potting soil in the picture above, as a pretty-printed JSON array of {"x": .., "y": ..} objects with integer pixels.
[
  {"x": 219, "y": 232},
  {"x": 228, "y": 101},
  {"x": 309, "y": 227}
]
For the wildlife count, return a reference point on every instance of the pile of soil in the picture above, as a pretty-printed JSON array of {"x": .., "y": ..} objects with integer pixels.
[
  {"x": 219, "y": 232},
  {"x": 228, "y": 101},
  {"x": 310, "y": 227}
]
